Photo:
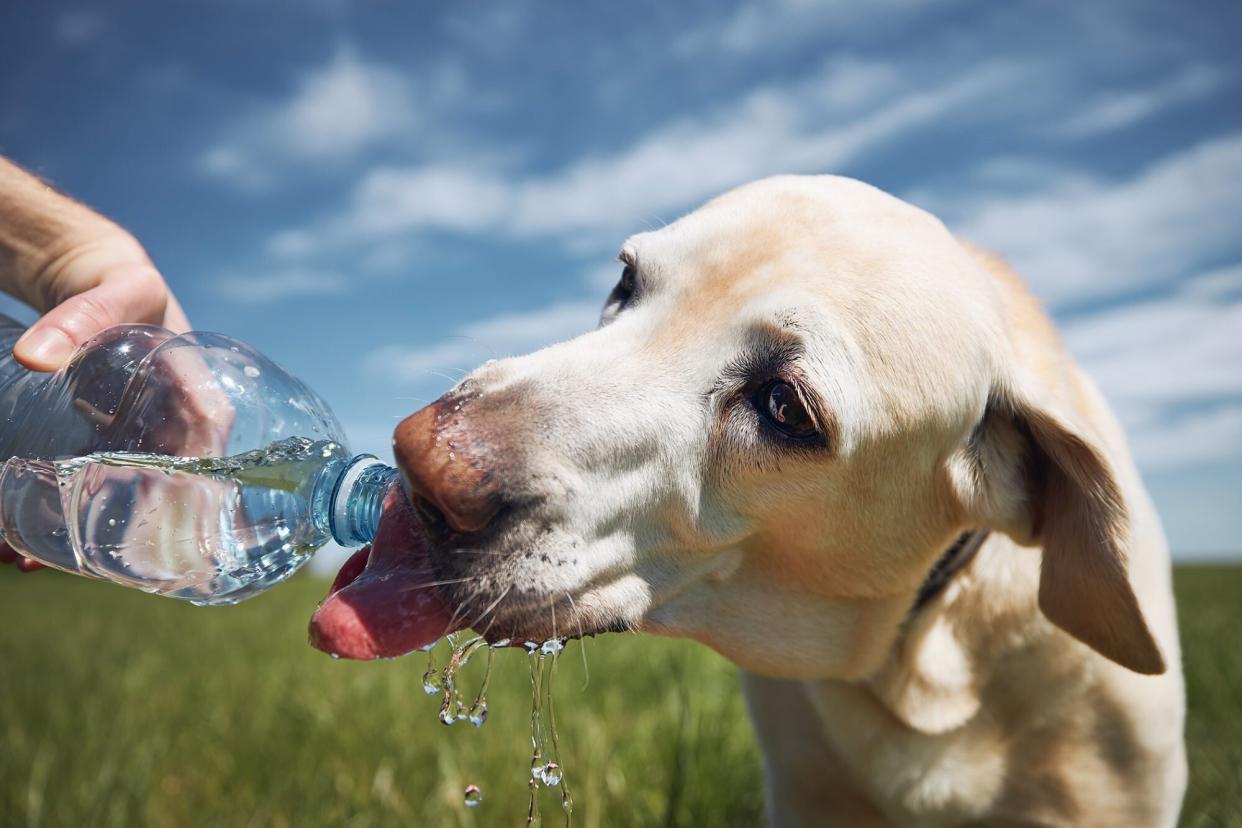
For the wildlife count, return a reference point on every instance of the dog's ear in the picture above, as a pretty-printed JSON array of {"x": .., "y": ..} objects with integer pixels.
[{"x": 1041, "y": 477}]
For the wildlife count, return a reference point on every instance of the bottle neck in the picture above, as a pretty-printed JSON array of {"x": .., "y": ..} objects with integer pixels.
[{"x": 358, "y": 500}]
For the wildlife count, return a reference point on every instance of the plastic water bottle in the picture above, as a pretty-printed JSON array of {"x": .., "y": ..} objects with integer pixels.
[{"x": 186, "y": 465}]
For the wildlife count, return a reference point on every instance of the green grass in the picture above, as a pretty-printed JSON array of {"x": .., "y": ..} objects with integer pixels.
[
  {"x": 120, "y": 709},
  {"x": 1209, "y": 602}
]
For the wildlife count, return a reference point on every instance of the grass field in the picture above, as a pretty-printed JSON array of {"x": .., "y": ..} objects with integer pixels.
[{"x": 120, "y": 709}]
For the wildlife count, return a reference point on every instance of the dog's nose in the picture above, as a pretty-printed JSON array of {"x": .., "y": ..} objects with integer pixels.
[{"x": 448, "y": 464}]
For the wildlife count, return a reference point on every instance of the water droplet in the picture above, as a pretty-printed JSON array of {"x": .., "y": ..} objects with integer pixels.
[
  {"x": 431, "y": 682},
  {"x": 550, "y": 774},
  {"x": 478, "y": 714},
  {"x": 473, "y": 796},
  {"x": 504, "y": 642},
  {"x": 112, "y": 521},
  {"x": 446, "y": 716},
  {"x": 552, "y": 646},
  {"x": 250, "y": 371}
]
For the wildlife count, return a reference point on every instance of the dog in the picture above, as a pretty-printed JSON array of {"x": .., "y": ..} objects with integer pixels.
[{"x": 820, "y": 435}]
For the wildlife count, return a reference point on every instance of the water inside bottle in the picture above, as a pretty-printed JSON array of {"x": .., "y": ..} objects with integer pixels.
[{"x": 210, "y": 529}]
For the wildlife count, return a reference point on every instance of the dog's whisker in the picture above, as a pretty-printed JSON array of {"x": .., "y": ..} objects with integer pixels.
[
  {"x": 445, "y": 582},
  {"x": 442, "y": 375},
  {"x": 493, "y": 606},
  {"x": 456, "y": 614},
  {"x": 488, "y": 628}
]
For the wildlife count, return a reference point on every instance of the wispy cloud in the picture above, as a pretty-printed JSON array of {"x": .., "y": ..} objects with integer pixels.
[
  {"x": 1224, "y": 282},
  {"x": 1209, "y": 436},
  {"x": 1113, "y": 111},
  {"x": 476, "y": 342},
  {"x": 822, "y": 122},
  {"x": 1169, "y": 366},
  {"x": 280, "y": 286},
  {"x": 752, "y": 25},
  {"x": 1075, "y": 236},
  {"x": 334, "y": 112}
]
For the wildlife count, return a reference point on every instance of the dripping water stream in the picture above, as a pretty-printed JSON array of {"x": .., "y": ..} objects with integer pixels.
[
  {"x": 546, "y": 770},
  {"x": 545, "y": 762}
]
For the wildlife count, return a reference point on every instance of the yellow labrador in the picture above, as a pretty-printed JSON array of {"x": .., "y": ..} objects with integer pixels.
[{"x": 820, "y": 435}]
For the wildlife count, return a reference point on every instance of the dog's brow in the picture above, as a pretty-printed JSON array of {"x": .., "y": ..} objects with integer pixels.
[
  {"x": 779, "y": 334},
  {"x": 768, "y": 347}
]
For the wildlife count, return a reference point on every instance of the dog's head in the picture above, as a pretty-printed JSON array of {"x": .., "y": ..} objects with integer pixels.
[{"x": 797, "y": 397}]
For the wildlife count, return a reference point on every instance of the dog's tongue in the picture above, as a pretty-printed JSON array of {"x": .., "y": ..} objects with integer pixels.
[{"x": 382, "y": 603}]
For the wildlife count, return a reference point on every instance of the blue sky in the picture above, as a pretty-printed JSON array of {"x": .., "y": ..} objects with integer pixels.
[{"x": 381, "y": 195}]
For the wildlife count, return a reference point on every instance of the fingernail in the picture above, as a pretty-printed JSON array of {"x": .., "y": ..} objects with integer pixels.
[{"x": 46, "y": 345}]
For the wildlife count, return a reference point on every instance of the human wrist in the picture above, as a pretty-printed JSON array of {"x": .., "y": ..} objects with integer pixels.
[{"x": 42, "y": 230}]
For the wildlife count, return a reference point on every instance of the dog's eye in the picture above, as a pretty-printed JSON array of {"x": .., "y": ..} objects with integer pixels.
[
  {"x": 780, "y": 406},
  {"x": 621, "y": 295},
  {"x": 624, "y": 291}
]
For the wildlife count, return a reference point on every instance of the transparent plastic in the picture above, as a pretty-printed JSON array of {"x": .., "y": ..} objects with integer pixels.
[{"x": 185, "y": 465}]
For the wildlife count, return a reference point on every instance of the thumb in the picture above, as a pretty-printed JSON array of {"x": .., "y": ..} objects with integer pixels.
[{"x": 49, "y": 343}]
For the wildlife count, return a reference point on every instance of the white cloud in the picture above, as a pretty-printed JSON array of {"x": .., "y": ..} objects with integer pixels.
[
  {"x": 1169, "y": 367},
  {"x": 280, "y": 286},
  {"x": 342, "y": 108},
  {"x": 1116, "y": 111},
  {"x": 1167, "y": 350},
  {"x": 494, "y": 337},
  {"x": 754, "y": 26},
  {"x": 334, "y": 112},
  {"x": 1213, "y": 435},
  {"x": 819, "y": 124},
  {"x": 1076, "y": 237},
  {"x": 290, "y": 244},
  {"x": 394, "y": 199},
  {"x": 1221, "y": 282}
]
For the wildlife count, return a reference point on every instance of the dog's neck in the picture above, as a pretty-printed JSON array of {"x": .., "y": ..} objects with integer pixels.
[
  {"x": 954, "y": 559},
  {"x": 932, "y": 678}
]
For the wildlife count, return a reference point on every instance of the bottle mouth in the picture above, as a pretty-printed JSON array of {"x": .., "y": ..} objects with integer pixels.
[{"x": 358, "y": 500}]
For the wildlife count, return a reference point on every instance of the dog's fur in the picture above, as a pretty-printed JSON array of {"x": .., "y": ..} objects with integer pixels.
[{"x": 643, "y": 490}]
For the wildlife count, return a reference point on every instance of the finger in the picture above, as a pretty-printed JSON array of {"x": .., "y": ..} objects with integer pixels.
[{"x": 135, "y": 294}]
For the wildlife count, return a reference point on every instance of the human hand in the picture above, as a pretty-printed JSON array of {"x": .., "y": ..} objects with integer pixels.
[{"x": 82, "y": 271}]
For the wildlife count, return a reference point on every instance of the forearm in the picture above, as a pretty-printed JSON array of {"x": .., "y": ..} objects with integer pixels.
[{"x": 39, "y": 229}]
